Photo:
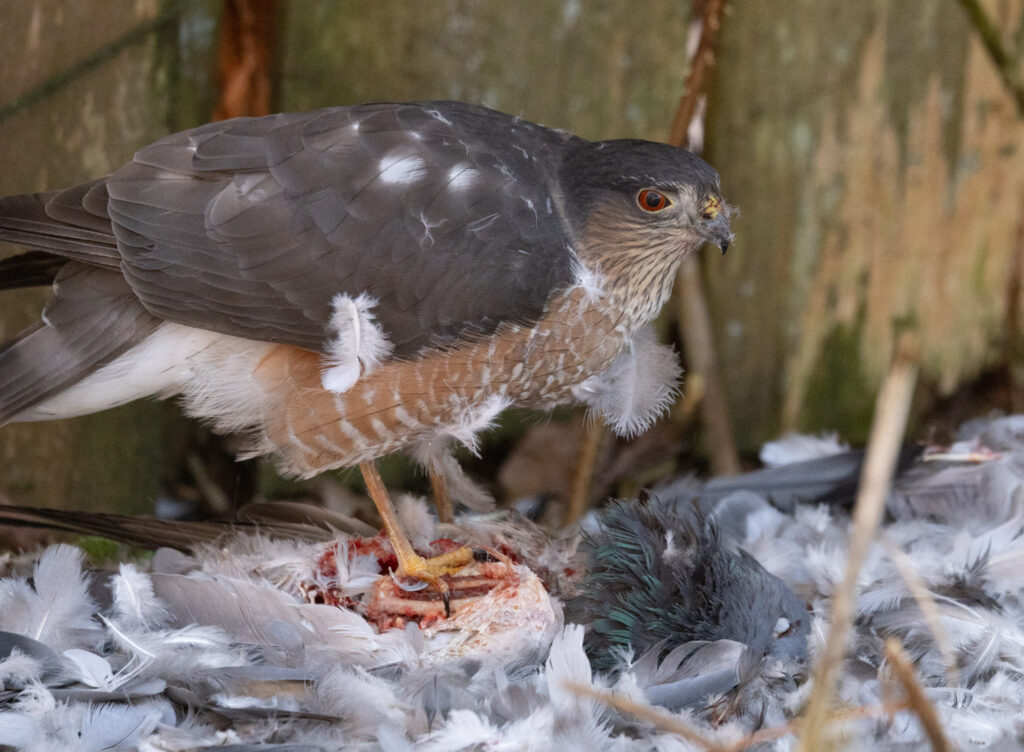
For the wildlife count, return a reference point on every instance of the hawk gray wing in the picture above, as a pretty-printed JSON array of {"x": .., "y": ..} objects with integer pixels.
[
  {"x": 443, "y": 212},
  {"x": 94, "y": 319}
]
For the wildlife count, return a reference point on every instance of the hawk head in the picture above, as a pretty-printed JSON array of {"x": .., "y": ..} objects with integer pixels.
[{"x": 637, "y": 208}]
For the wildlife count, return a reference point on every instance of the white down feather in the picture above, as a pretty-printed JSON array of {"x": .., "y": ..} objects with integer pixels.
[
  {"x": 636, "y": 388},
  {"x": 358, "y": 345}
]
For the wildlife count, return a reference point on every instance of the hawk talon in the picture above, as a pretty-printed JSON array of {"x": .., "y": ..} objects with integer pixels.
[
  {"x": 411, "y": 564},
  {"x": 431, "y": 572},
  {"x": 407, "y": 583},
  {"x": 427, "y": 570}
]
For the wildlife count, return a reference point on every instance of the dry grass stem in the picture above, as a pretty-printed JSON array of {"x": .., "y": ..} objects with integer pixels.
[
  {"x": 929, "y": 610},
  {"x": 891, "y": 410},
  {"x": 694, "y": 322},
  {"x": 674, "y": 725},
  {"x": 844, "y": 715},
  {"x": 648, "y": 713},
  {"x": 214, "y": 496},
  {"x": 594, "y": 433},
  {"x": 701, "y": 63},
  {"x": 917, "y": 700},
  {"x": 690, "y": 302}
]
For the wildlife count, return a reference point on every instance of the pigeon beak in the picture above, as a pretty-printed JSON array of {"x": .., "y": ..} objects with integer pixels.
[{"x": 714, "y": 223}]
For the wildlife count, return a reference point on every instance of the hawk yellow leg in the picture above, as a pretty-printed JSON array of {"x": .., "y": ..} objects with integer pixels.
[{"x": 410, "y": 563}]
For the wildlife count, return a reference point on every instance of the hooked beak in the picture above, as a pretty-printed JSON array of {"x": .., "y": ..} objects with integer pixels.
[{"x": 714, "y": 225}]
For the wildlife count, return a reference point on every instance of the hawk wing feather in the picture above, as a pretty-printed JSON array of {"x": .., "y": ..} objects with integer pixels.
[
  {"x": 28, "y": 221},
  {"x": 251, "y": 227},
  {"x": 93, "y": 319}
]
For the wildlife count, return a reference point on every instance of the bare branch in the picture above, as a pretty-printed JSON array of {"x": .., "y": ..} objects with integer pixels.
[
  {"x": 594, "y": 434},
  {"x": 690, "y": 303},
  {"x": 1007, "y": 63},
  {"x": 700, "y": 69},
  {"x": 891, "y": 411}
]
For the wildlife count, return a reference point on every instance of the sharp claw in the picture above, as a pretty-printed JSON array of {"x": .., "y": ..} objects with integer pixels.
[
  {"x": 415, "y": 573},
  {"x": 409, "y": 584},
  {"x": 482, "y": 555}
]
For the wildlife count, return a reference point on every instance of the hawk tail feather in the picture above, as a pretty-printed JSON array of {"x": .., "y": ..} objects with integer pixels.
[
  {"x": 57, "y": 224},
  {"x": 93, "y": 319}
]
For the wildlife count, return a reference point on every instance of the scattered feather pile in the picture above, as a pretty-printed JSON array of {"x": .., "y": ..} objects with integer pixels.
[{"x": 706, "y": 602}]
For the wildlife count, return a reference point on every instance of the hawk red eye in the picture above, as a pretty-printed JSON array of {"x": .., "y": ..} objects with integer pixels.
[{"x": 652, "y": 200}]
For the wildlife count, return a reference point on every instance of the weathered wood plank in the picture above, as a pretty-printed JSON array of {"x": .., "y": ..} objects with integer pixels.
[
  {"x": 878, "y": 161},
  {"x": 85, "y": 128}
]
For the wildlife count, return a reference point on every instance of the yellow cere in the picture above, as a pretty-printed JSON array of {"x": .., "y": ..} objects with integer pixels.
[{"x": 712, "y": 207}]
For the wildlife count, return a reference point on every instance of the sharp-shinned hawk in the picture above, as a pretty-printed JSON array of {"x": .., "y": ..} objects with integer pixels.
[{"x": 342, "y": 284}]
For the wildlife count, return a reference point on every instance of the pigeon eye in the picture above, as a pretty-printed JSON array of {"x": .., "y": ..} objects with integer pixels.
[
  {"x": 782, "y": 627},
  {"x": 652, "y": 200}
]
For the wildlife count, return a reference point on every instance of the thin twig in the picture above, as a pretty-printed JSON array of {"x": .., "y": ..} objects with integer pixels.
[
  {"x": 674, "y": 725},
  {"x": 918, "y": 702},
  {"x": 1007, "y": 64},
  {"x": 1013, "y": 331},
  {"x": 843, "y": 715},
  {"x": 929, "y": 611},
  {"x": 891, "y": 411},
  {"x": 169, "y": 14},
  {"x": 700, "y": 68},
  {"x": 214, "y": 495},
  {"x": 694, "y": 322},
  {"x": 662, "y": 720},
  {"x": 245, "y": 58},
  {"x": 690, "y": 302},
  {"x": 594, "y": 433}
]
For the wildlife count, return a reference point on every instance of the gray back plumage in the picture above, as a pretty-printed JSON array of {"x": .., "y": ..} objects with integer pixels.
[
  {"x": 453, "y": 218},
  {"x": 443, "y": 212},
  {"x": 450, "y": 215}
]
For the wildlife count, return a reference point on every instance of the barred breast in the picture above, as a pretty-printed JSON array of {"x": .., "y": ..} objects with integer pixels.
[{"x": 447, "y": 392}]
